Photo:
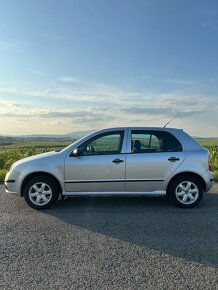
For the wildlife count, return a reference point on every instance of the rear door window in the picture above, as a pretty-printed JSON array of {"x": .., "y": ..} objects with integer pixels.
[{"x": 154, "y": 141}]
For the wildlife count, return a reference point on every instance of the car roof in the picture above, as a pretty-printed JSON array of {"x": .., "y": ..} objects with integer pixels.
[{"x": 140, "y": 128}]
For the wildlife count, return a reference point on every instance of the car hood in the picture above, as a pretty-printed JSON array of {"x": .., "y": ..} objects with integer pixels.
[{"x": 32, "y": 158}]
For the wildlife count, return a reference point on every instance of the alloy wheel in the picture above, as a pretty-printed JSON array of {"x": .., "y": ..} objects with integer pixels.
[
  {"x": 187, "y": 192},
  {"x": 40, "y": 193}
]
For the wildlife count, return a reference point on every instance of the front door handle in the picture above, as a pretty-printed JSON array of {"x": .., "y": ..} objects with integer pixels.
[
  {"x": 173, "y": 159},
  {"x": 117, "y": 161}
]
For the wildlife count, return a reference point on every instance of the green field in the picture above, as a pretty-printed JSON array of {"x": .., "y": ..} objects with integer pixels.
[
  {"x": 208, "y": 142},
  {"x": 13, "y": 151}
]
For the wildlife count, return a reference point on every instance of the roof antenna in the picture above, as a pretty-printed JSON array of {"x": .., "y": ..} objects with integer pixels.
[{"x": 171, "y": 120}]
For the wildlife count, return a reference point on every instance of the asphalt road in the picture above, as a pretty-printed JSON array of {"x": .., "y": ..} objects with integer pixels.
[{"x": 109, "y": 243}]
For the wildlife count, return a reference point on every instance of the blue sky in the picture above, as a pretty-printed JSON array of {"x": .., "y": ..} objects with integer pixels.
[{"x": 77, "y": 65}]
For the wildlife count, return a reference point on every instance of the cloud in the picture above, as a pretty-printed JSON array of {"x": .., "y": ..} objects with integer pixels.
[
  {"x": 211, "y": 21},
  {"x": 48, "y": 37},
  {"x": 148, "y": 111},
  {"x": 13, "y": 45},
  {"x": 184, "y": 100},
  {"x": 181, "y": 102},
  {"x": 101, "y": 95},
  {"x": 70, "y": 80},
  {"x": 212, "y": 13},
  {"x": 92, "y": 104},
  {"x": 192, "y": 113},
  {"x": 166, "y": 112},
  {"x": 37, "y": 72},
  {"x": 7, "y": 90},
  {"x": 212, "y": 24},
  {"x": 8, "y": 44},
  {"x": 9, "y": 104},
  {"x": 35, "y": 92},
  {"x": 93, "y": 93},
  {"x": 67, "y": 120},
  {"x": 84, "y": 116},
  {"x": 181, "y": 82}
]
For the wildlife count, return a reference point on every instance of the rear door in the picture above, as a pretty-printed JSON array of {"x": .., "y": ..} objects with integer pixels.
[{"x": 153, "y": 157}]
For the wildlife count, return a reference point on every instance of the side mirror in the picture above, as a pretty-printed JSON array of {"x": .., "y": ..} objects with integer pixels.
[{"x": 76, "y": 152}]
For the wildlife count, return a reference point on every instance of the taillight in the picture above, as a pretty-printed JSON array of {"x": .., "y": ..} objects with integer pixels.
[{"x": 210, "y": 167}]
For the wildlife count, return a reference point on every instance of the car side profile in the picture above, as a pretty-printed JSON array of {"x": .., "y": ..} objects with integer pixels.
[{"x": 117, "y": 161}]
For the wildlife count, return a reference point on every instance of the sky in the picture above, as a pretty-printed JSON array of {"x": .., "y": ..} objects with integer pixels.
[{"x": 75, "y": 65}]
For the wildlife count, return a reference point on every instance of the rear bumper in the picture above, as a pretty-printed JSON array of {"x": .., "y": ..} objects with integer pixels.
[{"x": 208, "y": 177}]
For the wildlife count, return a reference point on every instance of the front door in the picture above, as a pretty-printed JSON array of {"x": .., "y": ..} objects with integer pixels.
[{"x": 99, "y": 165}]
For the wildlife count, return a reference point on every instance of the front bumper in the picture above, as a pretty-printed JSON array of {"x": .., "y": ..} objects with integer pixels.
[{"x": 13, "y": 181}]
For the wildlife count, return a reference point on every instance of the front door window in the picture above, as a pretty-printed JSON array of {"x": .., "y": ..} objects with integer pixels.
[{"x": 105, "y": 144}]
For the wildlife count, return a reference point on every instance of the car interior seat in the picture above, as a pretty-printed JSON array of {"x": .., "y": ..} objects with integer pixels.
[{"x": 137, "y": 146}]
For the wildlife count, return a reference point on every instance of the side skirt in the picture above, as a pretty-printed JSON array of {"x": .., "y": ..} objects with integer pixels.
[{"x": 119, "y": 193}]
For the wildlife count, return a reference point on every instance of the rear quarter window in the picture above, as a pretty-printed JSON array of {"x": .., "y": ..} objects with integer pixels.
[{"x": 172, "y": 144}]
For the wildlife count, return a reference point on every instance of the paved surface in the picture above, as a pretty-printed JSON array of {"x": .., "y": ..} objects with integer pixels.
[{"x": 109, "y": 243}]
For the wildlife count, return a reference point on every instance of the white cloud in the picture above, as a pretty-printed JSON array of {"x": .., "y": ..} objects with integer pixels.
[
  {"x": 8, "y": 44},
  {"x": 7, "y": 90},
  {"x": 37, "y": 72},
  {"x": 99, "y": 105},
  {"x": 34, "y": 92},
  {"x": 70, "y": 79},
  {"x": 181, "y": 82}
]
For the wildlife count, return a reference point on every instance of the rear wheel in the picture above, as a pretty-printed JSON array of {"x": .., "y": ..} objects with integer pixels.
[
  {"x": 41, "y": 192},
  {"x": 186, "y": 191}
]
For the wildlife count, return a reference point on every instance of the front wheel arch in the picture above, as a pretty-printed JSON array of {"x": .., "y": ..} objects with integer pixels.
[{"x": 39, "y": 173}]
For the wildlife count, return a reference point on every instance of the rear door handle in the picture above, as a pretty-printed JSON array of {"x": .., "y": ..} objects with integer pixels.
[
  {"x": 117, "y": 161},
  {"x": 173, "y": 159}
]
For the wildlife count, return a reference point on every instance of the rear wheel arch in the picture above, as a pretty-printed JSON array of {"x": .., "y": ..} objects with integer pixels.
[
  {"x": 39, "y": 173},
  {"x": 185, "y": 174}
]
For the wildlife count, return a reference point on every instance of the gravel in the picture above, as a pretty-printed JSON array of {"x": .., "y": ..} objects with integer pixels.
[{"x": 109, "y": 243}]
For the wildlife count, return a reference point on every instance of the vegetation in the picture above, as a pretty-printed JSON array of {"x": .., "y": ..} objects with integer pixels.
[
  {"x": 214, "y": 158},
  {"x": 13, "y": 151},
  {"x": 208, "y": 142},
  {"x": 212, "y": 145}
]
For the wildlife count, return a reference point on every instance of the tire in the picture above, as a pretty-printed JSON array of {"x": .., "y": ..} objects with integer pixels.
[
  {"x": 41, "y": 192},
  {"x": 186, "y": 191}
]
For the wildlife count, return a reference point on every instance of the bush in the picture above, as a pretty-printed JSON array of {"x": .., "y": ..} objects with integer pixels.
[
  {"x": 9, "y": 156},
  {"x": 2, "y": 175}
]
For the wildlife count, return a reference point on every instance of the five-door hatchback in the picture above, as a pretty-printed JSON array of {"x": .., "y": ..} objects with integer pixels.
[{"x": 117, "y": 161}]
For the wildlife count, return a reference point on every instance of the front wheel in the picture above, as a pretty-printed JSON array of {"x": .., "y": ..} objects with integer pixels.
[
  {"x": 41, "y": 192},
  {"x": 186, "y": 191}
]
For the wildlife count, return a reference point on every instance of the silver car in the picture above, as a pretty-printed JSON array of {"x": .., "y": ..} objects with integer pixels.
[{"x": 117, "y": 161}]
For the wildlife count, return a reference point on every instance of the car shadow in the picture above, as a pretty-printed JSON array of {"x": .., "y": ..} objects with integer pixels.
[{"x": 150, "y": 222}]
